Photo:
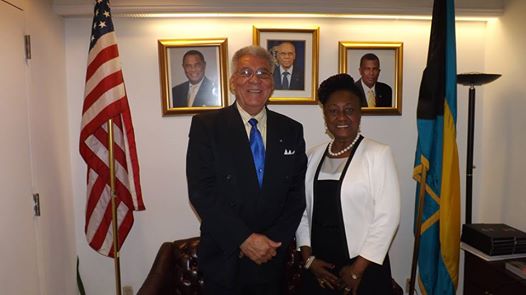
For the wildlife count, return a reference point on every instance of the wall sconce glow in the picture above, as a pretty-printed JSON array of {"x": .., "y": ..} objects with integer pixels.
[{"x": 297, "y": 15}]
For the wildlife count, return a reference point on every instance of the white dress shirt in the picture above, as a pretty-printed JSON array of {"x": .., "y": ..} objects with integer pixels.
[
  {"x": 192, "y": 91},
  {"x": 262, "y": 122}
]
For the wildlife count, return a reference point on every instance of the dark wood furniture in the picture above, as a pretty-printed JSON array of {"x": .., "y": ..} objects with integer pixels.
[{"x": 483, "y": 277}]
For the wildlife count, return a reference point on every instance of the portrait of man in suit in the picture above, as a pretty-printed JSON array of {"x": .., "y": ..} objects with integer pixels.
[
  {"x": 198, "y": 90},
  {"x": 289, "y": 73},
  {"x": 373, "y": 93},
  {"x": 245, "y": 167}
]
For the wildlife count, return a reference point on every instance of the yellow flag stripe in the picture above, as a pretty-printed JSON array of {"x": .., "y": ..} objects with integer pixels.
[
  {"x": 417, "y": 175},
  {"x": 430, "y": 221},
  {"x": 450, "y": 198}
]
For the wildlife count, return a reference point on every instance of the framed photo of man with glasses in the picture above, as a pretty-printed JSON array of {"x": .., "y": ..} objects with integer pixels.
[
  {"x": 295, "y": 53},
  {"x": 193, "y": 75}
]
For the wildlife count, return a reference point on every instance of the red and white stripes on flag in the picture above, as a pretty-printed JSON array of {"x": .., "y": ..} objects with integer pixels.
[{"x": 105, "y": 98}]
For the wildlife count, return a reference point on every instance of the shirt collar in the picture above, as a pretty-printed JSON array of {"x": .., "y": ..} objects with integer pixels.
[
  {"x": 197, "y": 84},
  {"x": 366, "y": 88},
  {"x": 262, "y": 115},
  {"x": 282, "y": 70}
]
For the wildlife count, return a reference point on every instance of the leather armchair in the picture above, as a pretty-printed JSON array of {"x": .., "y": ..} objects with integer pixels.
[{"x": 175, "y": 271}]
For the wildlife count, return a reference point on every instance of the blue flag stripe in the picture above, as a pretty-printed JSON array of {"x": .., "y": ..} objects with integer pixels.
[{"x": 436, "y": 146}]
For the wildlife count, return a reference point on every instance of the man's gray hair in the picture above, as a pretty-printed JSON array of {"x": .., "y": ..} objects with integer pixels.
[{"x": 253, "y": 50}]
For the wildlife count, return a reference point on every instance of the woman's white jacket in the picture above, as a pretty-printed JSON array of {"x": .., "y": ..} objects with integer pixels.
[{"x": 370, "y": 200}]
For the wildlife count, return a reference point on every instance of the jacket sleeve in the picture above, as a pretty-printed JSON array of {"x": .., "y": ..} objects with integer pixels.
[
  {"x": 386, "y": 197},
  {"x": 303, "y": 231},
  {"x": 218, "y": 219},
  {"x": 286, "y": 224}
]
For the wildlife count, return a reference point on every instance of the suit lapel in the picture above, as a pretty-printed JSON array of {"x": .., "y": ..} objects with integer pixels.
[
  {"x": 186, "y": 88},
  {"x": 363, "y": 100},
  {"x": 273, "y": 149},
  {"x": 241, "y": 153},
  {"x": 277, "y": 78},
  {"x": 199, "y": 96},
  {"x": 295, "y": 80}
]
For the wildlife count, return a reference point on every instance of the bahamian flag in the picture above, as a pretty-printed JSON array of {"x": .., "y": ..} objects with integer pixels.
[{"x": 437, "y": 153}]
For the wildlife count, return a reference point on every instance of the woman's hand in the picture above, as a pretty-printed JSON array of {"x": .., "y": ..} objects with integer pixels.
[
  {"x": 322, "y": 271},
  {"x": 351, "y": 275},
  {"x": 351, "y": 280}
]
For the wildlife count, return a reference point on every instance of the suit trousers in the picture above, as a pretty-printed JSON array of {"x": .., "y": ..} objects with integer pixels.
[{"x": 270, "y": 288}]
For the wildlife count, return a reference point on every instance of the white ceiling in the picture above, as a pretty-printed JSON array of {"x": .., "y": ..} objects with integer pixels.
[{"x": 392, "y": 7}]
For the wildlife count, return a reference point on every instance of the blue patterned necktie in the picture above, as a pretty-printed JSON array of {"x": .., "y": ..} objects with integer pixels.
[
  {"x": 285, "y": 82},
  {"x": 258, "y": 150}
]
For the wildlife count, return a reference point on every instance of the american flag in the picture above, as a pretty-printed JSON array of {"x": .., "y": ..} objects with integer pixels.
[{"x": 104, "y": 99}]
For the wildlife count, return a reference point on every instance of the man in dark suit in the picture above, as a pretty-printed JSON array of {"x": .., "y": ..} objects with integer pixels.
[
  {"x": 198, "y": 91},
  {"x": 248, "y": 215},
  {"x": 287, "y": 74},
  {"x": 373, "y": 93}
]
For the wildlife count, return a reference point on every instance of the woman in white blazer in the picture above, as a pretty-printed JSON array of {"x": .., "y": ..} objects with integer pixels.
[{"x": 353, "y": 202}]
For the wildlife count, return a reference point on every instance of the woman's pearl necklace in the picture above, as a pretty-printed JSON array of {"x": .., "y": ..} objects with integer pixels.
[{"x": 348, "y": 148}]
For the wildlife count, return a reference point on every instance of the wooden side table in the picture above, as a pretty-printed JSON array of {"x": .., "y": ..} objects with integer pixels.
[{"x": 490, "y": 278}]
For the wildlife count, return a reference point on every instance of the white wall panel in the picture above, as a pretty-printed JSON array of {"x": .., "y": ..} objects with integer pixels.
[
  {"x": 397, "y": 7},
  {"x": 162, "y": 141},
  {"x": 50, "y": 149},
  {"x": 501, "y": 125}
]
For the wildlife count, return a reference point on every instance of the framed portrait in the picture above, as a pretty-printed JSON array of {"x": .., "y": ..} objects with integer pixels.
[
  {"x": 193, "y": 75},
  {"x": 377, "y": 69},
  {"x": 295, "y": 54}
]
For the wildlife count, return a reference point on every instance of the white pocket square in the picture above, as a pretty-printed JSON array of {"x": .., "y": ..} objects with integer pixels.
[{"x": 289, "y": 152}]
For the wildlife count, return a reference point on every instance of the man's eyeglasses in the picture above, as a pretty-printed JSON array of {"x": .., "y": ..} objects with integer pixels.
[
  {"x": 285, "y": 54},
  {"x": 248, "y": 73}
]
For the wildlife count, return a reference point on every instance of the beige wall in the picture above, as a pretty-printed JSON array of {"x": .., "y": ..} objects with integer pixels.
[
  {"x": 162, "y": 140},
  {"x": 59, "y": 173},
  {"x": 49, "y": 148},
  {"x": 55, "y": 229},
  {"x": 501, "y": 125}
]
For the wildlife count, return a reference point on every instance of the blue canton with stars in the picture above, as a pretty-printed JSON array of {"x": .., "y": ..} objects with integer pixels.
[{"x": 102, "y": 22}]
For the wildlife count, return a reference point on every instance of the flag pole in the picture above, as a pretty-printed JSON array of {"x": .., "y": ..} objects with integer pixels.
[
  {"x": 116, "y": 258},
  {"x": 418, "y": 226}
]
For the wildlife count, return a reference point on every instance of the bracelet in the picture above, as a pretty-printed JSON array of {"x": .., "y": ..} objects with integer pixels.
[{"x": 309, "y": 261}]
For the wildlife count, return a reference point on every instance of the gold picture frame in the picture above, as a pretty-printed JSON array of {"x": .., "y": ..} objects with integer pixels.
[
  {"x": 390, "y": 57},
  {"x": 177, "y": 96},
  {"x": 303, "y": 81}
]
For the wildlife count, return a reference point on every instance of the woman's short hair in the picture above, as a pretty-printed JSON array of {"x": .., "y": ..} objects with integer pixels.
[{"x": 336, "y": 83}]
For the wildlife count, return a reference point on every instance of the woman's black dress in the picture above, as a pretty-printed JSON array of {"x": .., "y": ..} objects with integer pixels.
[{"x": 329, "y": 243}]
